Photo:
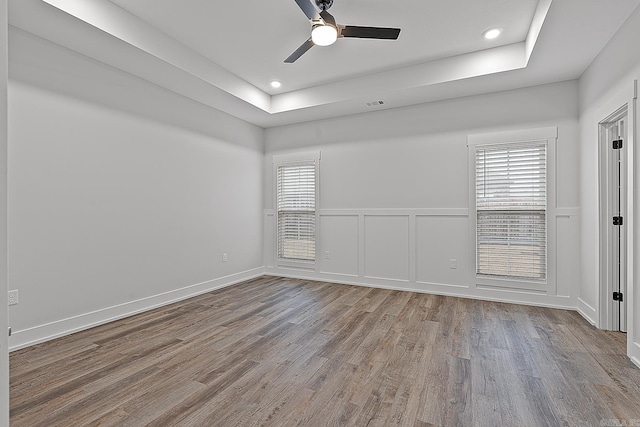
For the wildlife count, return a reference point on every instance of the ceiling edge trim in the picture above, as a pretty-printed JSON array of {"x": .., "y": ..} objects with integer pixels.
[
  {"x": 475, "y": 64},
  {"x": 39, "y": 19},
  {"x": 120, "y": 24},
  {"x": 114, "y": 20},
  {"x": 536, "y": 26}
]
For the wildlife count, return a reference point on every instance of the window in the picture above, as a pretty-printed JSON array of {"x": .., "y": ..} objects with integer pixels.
[
  {"x": 296, "y": 209},
  {"x": 511, "y": 210}
]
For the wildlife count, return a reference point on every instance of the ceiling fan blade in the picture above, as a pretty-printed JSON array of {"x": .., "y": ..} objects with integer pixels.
[
  {"x": 299, "y": 52},
  {"x": 369, "y": 32},
  {"x": 309, "y": 9},
  {"x": 328, "y": 18}
]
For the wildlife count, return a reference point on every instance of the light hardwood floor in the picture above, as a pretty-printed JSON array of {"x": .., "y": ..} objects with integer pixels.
[{"x": 280, "y": 352}]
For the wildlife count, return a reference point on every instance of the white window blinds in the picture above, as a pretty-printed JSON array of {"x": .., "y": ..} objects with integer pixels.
[
  {"x": 511, "y": 204},
  {"x": 296, "y": 200}
]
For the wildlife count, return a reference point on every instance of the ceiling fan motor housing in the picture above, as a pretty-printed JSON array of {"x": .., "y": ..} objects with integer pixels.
[
  {"x": 325, "y": 31},
  {"x": 324, "y": 4}
]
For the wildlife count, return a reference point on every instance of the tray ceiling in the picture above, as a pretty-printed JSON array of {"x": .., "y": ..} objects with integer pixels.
[{"x": 224, "y": 55}]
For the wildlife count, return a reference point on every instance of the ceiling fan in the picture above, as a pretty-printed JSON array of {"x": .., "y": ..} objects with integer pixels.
[{"x": 325, "y": 31}]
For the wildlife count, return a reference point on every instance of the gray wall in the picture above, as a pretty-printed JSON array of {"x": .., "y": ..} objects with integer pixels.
[
  {"x": 122, "y": 196},
  {"x": 394, "y": 192},
  {"x": 611, "y": 76}
]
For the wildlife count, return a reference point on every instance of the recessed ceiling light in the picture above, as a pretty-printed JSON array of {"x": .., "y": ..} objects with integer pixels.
[
  {"x": 275, "y": 84},
  {"x": 492, "y": 33}
]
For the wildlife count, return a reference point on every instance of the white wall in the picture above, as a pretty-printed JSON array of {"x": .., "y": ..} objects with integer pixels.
[
  {"x": 4, "y": 354},
  {"x": 122, "y": 196},
  {"x": 609, "y": 77},
  {"x": 394, "y": 192}
]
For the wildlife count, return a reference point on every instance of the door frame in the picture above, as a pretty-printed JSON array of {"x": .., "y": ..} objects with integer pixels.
[
  {"x": 612, "y": 250},
  {"x": 627, "y": 96}
]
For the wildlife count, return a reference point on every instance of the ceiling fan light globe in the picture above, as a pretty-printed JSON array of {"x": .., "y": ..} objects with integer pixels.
[{"x": 324, "y": 35}]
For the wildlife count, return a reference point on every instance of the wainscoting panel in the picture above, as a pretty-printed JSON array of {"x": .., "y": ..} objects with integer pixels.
[
  {"x": 386, "y": 247},
  {"x": 568, "y": 254},
  {"x": 338, "y": 245},
  {"x": 413, "y": 249},
  {"x": 269, "y": 238},
  {"x": 441, "y": 250}
]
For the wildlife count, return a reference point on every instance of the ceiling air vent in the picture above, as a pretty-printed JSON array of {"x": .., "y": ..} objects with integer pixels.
[{"x": 374, "y": 103}]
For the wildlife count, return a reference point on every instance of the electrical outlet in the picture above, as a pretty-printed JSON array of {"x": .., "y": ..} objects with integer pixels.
[
  {"x": 327, "y": 254},
  {"x": 453, "y": 264},
  {"x": 224, "y": 258},
  {"x": 13, "y": 297}
]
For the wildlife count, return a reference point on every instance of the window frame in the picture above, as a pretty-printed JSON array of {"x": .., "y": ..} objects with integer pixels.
[
  {"x": 548, "y": 135},
  {"x": 286, "y": 160}
]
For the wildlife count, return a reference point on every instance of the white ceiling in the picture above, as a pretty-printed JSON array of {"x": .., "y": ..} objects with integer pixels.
[
  {"x": 216, "y": 53},
  {"x": 251, "y": 40}
]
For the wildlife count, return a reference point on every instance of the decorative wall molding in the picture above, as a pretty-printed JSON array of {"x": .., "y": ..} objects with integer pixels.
[{"x": 434, "y": 240}]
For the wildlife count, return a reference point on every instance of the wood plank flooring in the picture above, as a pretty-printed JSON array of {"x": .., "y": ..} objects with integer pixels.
[{"x": 285, "y": 352}]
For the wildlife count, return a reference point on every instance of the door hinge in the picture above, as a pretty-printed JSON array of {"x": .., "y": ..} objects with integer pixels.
[
  {"x": 617, "y": 220},
  {"x": 617, "y": 296},
  {"x": 9, "y": 330},
  {"x": 617, "y": 144}
]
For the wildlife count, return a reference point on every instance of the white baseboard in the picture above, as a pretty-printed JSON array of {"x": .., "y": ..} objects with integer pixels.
[
  {"x": 519, "y": 297},
  {"x": 41, "y": 333},
  {"x": 633, "y": 351},
  {"x": 588, "y": 312},
  {"x": 27, "y": 337}
]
